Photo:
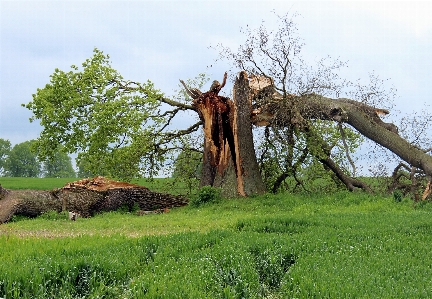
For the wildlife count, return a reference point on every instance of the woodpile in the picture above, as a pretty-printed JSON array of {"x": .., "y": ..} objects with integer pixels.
[{"x": 86, "y": 198}]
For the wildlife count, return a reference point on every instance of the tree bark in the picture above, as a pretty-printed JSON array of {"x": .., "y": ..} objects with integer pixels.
[
  {"x": 249, "y": 179},
  {"x": 229, "y": 159}
]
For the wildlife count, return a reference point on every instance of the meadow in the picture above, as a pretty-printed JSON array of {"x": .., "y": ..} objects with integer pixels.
[{"x": 339, "y": 245}]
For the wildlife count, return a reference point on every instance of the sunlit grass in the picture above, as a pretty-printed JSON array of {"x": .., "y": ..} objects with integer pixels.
[
  {"x": 34, "y": 183},
  {"x": 341, "y": 245}
]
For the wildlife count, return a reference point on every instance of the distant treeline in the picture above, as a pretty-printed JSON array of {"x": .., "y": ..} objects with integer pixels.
[{"x": 21, "y": 160}]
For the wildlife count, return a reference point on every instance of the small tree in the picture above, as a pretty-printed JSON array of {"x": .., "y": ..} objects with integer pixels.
[
  {"x": 22, "y": 161},
  {"x": 60, "y": 166},
  {"x": 187, "y": 168},
  {"x": 5, "y": 148},
  {"x": 118, "y": 128},
  {"x": 83, "y": 170}
]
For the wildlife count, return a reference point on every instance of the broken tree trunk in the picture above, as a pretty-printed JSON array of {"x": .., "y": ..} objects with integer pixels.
[
  {"x": 248, "y": 175},
  {"x": 229, "y": 159},
  {"x": 86, "y": 197}
]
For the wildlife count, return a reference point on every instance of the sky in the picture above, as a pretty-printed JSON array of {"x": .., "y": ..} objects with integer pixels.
[{"x": 164, "y": 41}]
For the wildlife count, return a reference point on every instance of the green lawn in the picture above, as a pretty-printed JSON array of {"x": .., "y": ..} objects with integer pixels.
[{"x": 343, "y": 245}]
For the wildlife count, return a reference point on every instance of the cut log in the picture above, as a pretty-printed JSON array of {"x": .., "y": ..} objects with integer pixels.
[{"x": 86, "y": 197}]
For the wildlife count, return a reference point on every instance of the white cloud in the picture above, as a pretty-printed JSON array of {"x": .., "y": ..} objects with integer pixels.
[
  {"x": 167, "y": 40},
  {"x": 414, "y": 16}
]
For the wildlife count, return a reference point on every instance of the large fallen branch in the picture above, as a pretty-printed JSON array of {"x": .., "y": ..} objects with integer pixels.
[
  {"x": 86, "y": 197},
  {"x": 275, "y": 110}
]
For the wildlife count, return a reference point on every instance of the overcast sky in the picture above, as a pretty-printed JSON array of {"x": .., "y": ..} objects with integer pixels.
[{"x": 165, "y": 41}]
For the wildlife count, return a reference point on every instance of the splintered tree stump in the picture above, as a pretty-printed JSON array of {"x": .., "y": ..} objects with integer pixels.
[
  {"x": 85, "y": 197},
  {"x": 229, "y": 154}
]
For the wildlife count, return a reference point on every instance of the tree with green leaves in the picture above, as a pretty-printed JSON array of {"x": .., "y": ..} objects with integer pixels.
[
  {"x": 59, "y": 166},
  {"x": 118, "y": 127},
  {"x": 83, "y": 170},
  {"x": 312, "y": 118},
  {"x": 22, "y": 161},
  {"x": 5, "y": 147},
  {"x": 187, "y": 168}
]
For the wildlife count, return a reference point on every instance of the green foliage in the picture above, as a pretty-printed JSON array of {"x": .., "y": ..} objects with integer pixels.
[
  {"x": 110, "y": 122},
  {"x": 16, "y": 218},
  {"x": 206, "y": 194},
  {"x": 59, "y": 166},
  {"x": 83, "y": 170},
  {"x": 22, "y": 161},
  {"x": 292, "y": 157},
  {"x": 50, "y": 215},
  {"x": 128, "y": 209},
  {"x": 285, "y": 225},
  {"x": 397, "y": 195},
  {"x": 54, "y": 215},
  {"x": 187, "y": 169},
  {"x": 5, "y": 147}
]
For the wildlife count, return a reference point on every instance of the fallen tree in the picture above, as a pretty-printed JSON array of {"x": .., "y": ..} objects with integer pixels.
[
  {"x": 85, "y": 197},
  {"x": 313, "y": 120},
  {"x": 223, "y": 155},
  {"x": 364, "y": 118}
]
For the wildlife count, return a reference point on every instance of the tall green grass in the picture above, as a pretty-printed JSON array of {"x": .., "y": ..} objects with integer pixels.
[
  {"x": 344, "y": 245},
  {"x": 15, "y": 183},
  {"x": 156, "y": 184}
]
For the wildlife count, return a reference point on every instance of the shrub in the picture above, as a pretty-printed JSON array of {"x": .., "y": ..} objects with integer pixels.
[
  {"x": 126, "y": 209},
  {"x": 206, "y": 194},
  {"x": 397, "y": 196},
  {"x": 16, "y": 218}
]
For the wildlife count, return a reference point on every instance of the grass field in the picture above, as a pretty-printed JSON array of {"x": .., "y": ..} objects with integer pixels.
[
  {"x": 343, "y": 245},
  {"x": 156, "y": 184}
]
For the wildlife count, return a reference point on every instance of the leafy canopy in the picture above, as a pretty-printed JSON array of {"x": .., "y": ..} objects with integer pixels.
[
  {"x": 5, "y": 147},
  {"x": 22, "y": 161},
  {"x": 59, "y": 167},
  {"x": 110, "y": 122}
]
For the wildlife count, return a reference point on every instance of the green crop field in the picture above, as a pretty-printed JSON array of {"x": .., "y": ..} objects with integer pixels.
[
  {"x": 157, "y": 184},
  {"x": 342, "y": 245},
  {"x": 34, "y": 183}
]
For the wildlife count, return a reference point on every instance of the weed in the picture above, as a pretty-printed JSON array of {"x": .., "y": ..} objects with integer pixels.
[
  {"x": 281, "y": 224},
  {"x": 206, "y": 194},
  {"x": 397, "y": 196}
]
